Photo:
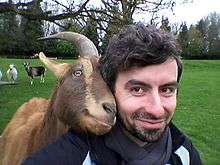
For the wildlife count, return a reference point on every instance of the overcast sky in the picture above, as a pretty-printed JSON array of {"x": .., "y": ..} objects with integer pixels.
[
  {"x": 192, "y": 12},
  {"x": 189, "y": 12}
]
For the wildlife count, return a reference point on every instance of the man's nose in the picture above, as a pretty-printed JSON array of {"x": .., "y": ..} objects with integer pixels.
[{"x": 154, "y": 104}]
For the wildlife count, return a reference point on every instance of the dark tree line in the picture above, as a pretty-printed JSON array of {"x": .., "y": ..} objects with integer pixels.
[
  {"x": 201, "y": 40},
  {"x": 23, "y": 21}
]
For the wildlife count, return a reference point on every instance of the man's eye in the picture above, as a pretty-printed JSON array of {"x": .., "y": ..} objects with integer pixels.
[
  {"x": 168, "y": 91},
  {"x": 137, "y": 91}
]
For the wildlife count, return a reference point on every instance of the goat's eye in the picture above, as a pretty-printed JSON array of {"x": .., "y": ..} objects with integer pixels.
[{"x": 77, "y": 73}]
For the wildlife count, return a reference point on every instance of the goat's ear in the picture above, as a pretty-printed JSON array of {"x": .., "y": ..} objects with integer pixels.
[{"x": 59, "y": 70}]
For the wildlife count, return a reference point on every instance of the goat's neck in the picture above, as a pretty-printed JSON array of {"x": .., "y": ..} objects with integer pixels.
[
  {"x": 27, "y": 69},
  {"x": 52, "y": 128}
]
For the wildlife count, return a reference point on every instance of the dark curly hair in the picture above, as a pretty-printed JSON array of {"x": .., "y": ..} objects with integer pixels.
[{"x": 138, "y": 45}]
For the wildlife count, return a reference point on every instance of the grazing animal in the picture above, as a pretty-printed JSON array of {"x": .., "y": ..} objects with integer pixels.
[
  {"x": 34, "y": 72},
  {"x": 0, "y": 75},
  {"x": 81, "y": 102},
  {"x": 12, "y": 73}
]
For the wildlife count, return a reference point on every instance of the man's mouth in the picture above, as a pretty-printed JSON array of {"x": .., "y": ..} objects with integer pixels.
[{"x": 150, "y": 123}]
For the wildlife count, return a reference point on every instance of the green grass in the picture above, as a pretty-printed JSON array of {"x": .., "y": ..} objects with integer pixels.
[{"x": 197, "y": 112}]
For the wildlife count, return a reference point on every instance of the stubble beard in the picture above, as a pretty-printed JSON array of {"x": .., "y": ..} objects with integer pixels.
[{"x": 145, "y": 134}]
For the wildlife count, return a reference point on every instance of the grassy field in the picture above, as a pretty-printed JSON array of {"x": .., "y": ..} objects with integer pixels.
[{"x": 197, "y": 114}]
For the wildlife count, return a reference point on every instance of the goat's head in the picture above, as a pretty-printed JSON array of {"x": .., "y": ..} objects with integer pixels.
[
  {"x": 82, "y": 99},
  {"x": 11, "y": 66},
  {"x": 26, "y": 64}
]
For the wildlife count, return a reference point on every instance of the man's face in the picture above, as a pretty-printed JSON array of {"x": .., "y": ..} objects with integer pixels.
[{"x": 146, "y": 99}]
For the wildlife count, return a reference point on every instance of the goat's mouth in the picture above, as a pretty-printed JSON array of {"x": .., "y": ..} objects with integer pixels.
[
  {"x": 105, "y": 124},
  {"x": 101, "y": 126},
  {"x": 98, "y": 125}
]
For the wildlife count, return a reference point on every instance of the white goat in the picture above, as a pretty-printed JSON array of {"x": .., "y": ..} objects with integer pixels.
[
  {"x": 12, "y": 73},
  {"x": 0, "y": 75}
]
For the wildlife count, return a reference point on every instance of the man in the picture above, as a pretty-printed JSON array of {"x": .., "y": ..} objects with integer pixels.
[{"x": 142, "y": 67}]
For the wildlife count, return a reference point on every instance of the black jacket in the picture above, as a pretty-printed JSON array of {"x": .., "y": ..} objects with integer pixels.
[{"x": 75, "y": 149}]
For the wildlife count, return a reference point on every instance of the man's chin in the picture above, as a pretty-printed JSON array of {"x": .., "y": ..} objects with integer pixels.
[
  {"x": 144, "y": 134},
  {"x": 148, "y": 135}
]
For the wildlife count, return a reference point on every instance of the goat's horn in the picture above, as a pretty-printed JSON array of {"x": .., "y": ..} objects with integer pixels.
[
  {"x": 58, "y": 69},
  {"x": 85, "y": 46}
]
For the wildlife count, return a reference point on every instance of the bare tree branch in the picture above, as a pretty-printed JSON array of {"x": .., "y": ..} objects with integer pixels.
[{"x": 47, "y": 15}]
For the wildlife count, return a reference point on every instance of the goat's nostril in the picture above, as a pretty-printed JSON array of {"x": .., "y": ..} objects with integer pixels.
[{"x": 109, "y": 108}]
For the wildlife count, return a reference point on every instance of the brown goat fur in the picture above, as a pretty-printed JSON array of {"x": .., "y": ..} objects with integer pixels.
[{"x": 26, "y": 123}]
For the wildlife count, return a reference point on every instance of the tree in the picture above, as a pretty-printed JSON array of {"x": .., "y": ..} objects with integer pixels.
[
  {"x": 210, "y": 30},
  {"x": 194, "y": 47},
  {"x": 203, "y": 26},
  {"x": 113, "y": 14},
  {"x": 111, "y": 27},
  {"x": 107, "y": 18},
  {"x": 91, "y": 31},
  {"x": 22, "y": 8},
  {"x": 190, "y": 40},
  {"x": 119, "y": 12},
  {"x": 9, "y": 33},
  {"x": 183, "y": 38},
  {"x": 214, "y": 34},
  {"x": 30, "y": 30}
]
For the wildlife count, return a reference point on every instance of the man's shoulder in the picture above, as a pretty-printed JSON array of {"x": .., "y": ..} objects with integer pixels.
[
  {"x": 67, "y": 149},
  {"x": 179, "y": 138},
  {"x": 183, "y": 147}
]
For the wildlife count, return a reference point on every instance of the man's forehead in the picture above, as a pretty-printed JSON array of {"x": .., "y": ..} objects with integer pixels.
[
  {"x": 168, "y": 65},
  {"x": 158, "y": 73}
]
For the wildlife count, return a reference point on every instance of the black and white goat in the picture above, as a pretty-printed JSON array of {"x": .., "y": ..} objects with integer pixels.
[{"x": 34, "y": 72}]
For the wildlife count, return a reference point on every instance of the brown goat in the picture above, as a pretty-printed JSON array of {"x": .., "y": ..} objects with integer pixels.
[{"x": 81, "y": 102}]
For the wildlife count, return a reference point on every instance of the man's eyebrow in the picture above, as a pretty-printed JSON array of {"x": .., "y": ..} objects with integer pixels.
[
  {"x": 136, "y": 82},
  {"x": 173, "y": 83}
]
